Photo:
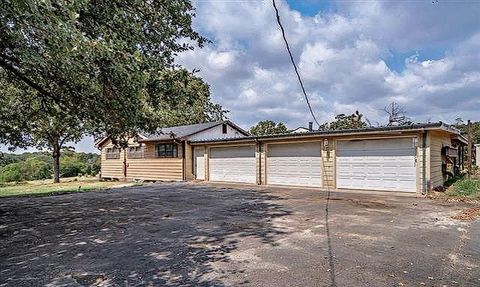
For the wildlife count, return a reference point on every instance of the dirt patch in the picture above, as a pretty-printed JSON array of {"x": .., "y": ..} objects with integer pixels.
[{"x": 468, "y": 214}]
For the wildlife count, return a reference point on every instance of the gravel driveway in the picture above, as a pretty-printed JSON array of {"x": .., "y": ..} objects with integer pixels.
[{"x": 186, "y": 234}]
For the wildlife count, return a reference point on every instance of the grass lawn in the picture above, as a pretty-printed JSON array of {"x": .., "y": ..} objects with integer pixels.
[
  {"x": 461, "y": 189},
  {"x": 46, "y": 187}
]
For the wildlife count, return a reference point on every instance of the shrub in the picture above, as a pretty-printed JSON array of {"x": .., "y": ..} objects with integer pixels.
[
  {"x": 38, "y": 165},
  {"x": 29, "y": 169}
]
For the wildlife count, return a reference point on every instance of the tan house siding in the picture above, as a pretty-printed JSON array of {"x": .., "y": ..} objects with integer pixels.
[
  {"x": 111, "y": 168},
  {"x": 437, "y": 141},
  {"x": 151, "y": 167},
  {"x": 328, "y": 164},
  {"x": 419, "y": 162},
  {"x": 189, "y": 175},
  {"x": 260, "y": 163}
]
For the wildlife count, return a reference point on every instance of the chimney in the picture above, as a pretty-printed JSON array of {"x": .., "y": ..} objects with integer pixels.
[{"x": 310, "y": 126}]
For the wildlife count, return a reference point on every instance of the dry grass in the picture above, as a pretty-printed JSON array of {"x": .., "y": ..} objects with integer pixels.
[
  {"x": 468, "y": 214},
  {"x": 47, "y": 187}
]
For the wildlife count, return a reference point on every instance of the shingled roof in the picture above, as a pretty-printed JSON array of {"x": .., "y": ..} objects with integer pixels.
[
  {"x": 368, "y": 130},
  {"x": 179, "y": 132},
  {"x": 182, "y": 132}
]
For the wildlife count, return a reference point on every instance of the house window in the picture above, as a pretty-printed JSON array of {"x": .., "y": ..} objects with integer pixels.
[
  {"x": 135, "y": 152},
  {"x": 167, "y": 150},
  {"x": 224, "y": 128},
  {"x": 113, "y": 153}
]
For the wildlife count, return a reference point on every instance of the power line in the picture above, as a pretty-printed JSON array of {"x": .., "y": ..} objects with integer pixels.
[{"x": 294, "y": 65}]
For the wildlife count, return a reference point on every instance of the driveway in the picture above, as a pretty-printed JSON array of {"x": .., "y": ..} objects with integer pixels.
[{"x": 186, "y": 234}]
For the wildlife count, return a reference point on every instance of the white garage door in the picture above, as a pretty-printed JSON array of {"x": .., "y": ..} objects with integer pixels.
[
  {"x": 233, "y": 164},
  {"x": 295, "y": 164},
  {"x": 377, "y": 164}
]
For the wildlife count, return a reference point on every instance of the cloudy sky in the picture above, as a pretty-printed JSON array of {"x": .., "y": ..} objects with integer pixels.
[{"x": 352, "y": 55}]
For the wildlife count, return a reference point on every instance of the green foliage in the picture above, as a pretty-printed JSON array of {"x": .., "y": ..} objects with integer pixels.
[
  {"x": 71, "y": 68},
  {"x": 466, "y": 188},
  {"x": 91, "y": 61},
  {"x": 33, "y": 166},
  {"x": 462, "y": 126},
  {"x": 344, "y": 122},
  {"x": 30, "y": 169},
  {"x": 183, "y": 98},
  {"x": 268, "y": 127}
]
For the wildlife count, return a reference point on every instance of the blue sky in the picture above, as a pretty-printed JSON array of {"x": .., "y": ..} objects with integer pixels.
[{"x": 353, "y": 55}]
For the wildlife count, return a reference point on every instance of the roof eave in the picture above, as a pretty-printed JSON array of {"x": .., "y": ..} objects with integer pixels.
[{"x": 386, "y": 130}]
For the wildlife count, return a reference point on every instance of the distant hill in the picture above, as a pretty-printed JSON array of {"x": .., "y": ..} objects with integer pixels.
[{"x": 38, "y": 165}]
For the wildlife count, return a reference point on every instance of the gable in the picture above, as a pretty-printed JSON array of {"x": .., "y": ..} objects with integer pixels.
[{"x": 216, "y": 132}]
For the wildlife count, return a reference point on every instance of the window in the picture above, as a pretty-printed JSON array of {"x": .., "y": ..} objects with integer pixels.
[
  {"x": 113, "y": 153},
  {"x": 224, "y": 128},
  {"x": 167, "y": 150},
  {"x": 135, "y": 152}
]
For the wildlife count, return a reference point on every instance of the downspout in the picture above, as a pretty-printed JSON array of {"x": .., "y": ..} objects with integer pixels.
[
  {"x": 424, "y": 162},
  {"x": 125, "y": 165},
  {"x": 259, "y": 179},
  {"x": 259, "y": 162},
  {"x": 183, "y": 161}
]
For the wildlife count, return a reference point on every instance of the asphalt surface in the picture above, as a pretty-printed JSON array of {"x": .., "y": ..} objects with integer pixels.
[{"x": 186, "y": 234}]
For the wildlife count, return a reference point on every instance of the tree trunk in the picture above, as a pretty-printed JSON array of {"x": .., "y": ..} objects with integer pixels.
[{"x": 56, "y": 163}]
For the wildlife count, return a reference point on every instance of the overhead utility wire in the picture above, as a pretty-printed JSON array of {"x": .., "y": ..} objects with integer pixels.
[{"x": 293, "y": 63}]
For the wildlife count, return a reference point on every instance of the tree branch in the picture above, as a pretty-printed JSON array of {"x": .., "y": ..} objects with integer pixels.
[{"x": 25, "y": 79}]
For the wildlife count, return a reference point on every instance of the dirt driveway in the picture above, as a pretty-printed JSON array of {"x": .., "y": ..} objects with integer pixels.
[{"x": 185, "y": 234}]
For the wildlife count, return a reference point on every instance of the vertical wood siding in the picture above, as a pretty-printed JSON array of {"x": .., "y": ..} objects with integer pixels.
[
  {"x": 328, "y": 164},
  {"x": 189, "y": 175},
  {"x": 437, "y": 141}
]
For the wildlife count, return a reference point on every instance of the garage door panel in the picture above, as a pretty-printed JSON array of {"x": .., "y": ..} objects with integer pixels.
[
  {"x": 294, "y": 164},
  {"x": 377, "y": 164},
  {"x": 233, "y": 164}
]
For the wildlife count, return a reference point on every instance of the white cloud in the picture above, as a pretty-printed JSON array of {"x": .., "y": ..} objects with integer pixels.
[{"x": 341, "y": 59}]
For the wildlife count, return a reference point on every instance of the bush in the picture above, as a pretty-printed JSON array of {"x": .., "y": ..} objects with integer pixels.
[
  {"x": 29, "y": 169},
  {"x": 71, "y": 166},
  {"x": 39, "y": 165},
  {"x": 466, "y": 187}
]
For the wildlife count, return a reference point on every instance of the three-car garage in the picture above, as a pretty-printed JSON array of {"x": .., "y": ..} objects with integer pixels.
[
  {"x": 402, "y": 159},
  {"x": 378, "y": 164}
]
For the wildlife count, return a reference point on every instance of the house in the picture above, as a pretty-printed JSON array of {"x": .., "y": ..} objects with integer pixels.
[
  {"x": 414, "y": 158},
  {"x": 300, "y": 130},
  {"x": 165, "y": 155},
  {"x": 303, "y": 129}
]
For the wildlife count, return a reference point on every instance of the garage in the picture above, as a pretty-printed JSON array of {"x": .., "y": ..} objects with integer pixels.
[
  {"x": 296, "y": 164},
  {"x": 233, "y": 164},
  {"x": 383, "y": 164}
]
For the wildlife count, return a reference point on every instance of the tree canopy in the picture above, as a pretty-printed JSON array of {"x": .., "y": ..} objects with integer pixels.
[
  {"x": 268, "y": 127},
  {"x": 95, "y": 67},
  {"x": 92, "y": 60},
  {"x": 462, "y": 126},
  {"x": 343, "y": 122},
  {"x": 38, "y": 165}
]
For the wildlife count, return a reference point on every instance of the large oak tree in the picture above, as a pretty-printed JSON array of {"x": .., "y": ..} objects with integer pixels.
[{"x": 68, "y": 68}]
